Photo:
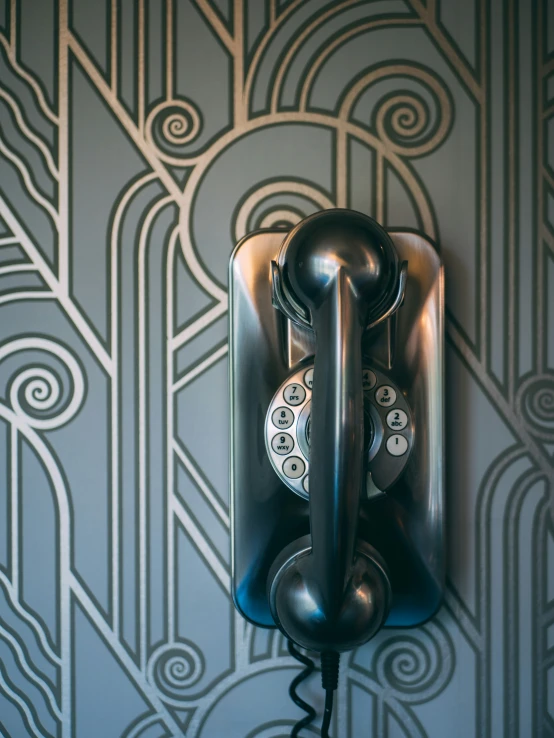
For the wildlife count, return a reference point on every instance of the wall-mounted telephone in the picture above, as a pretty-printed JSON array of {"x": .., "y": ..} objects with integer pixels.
[{"x": 336, "y": 381}]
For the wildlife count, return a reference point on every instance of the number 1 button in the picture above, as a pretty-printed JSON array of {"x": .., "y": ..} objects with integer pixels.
[{"x": 397, "y": 445}]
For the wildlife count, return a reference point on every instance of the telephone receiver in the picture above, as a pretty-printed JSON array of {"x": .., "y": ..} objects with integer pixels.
[{"x": 336, "y": 412}]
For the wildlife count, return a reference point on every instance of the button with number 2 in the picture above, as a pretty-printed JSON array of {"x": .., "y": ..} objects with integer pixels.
[{"x": 397, "y": 419}]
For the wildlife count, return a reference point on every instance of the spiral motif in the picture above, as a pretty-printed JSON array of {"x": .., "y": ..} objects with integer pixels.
[
  {"x": 270, "y": 206},
  {"x": 402, "y": 118},
  {"x": 415, "y": 669},
  {"x": 174, "y": 668},
  {"x": 171, "y": 125},
  {"x": 408, "y": 123},
  {"x": 37, "y": 393},
  {"x": 406, "y": 664},
  {"x": 39, "y": 389},
  {"x": 535, "y": 403}
]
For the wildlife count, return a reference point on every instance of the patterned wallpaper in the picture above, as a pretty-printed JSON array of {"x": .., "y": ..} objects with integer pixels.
[{"x": 139, "y": 139}]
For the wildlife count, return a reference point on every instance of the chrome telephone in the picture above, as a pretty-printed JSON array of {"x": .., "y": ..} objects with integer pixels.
[{"x": 336, "y": 385}]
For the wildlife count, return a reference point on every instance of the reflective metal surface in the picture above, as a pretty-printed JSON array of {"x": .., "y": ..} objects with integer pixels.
[
  {"x": 286, "y": 429},
  {"x": 406, "y": 525}
]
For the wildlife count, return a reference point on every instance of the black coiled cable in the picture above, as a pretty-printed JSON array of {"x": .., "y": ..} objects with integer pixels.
[
  {"x": 329, "y": 682},
  {"x": 304, "y": 674}
]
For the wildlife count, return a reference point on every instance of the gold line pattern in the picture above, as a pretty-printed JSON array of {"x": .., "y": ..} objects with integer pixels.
[{"x": 114, "y": 242}]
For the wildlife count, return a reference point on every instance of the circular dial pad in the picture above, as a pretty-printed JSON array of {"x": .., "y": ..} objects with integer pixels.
[{"x": 388, "y": 433}]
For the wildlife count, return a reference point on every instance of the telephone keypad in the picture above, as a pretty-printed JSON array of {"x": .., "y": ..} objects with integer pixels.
[
  {"x": 282, "y": 444},
  {"x": 389, "y": 432},
  {"x": 294, "y": 467},
  {"x": 294, "y": 394},
  {"x": 283, "y": 417}
]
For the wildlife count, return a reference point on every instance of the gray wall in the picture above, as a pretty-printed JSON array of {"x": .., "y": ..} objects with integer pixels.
[{"x": 138, "y": 141}]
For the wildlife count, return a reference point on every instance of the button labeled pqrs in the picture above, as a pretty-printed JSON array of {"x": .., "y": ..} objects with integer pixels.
[
  {"x": 282, "y": 443},
  {"x": 294, "y": 394}
]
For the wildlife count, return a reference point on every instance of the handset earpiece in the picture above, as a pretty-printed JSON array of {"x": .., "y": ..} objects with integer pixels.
[{"x": 338, "y": 272}]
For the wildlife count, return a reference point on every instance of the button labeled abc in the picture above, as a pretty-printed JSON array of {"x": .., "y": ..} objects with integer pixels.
[
  {"x": 294, "y": 394},
  {"x": 397, "y": 445},
  {"x": 282, "y": 443},
  {"x": 397, "y": 419},
  {"x": 385, "y": 395},
  {"x": 283, "y": 417},
  {"x": 368, "y": 379},
  {"x": 293, "y": 467}
]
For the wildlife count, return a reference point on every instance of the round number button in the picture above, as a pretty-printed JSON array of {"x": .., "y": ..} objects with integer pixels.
[
  {"x": 368, "y": 379},
  {"x": 293, "y": 467},
  {"x": 294, "y": 394},
  {"x": 397, "y": 419},
  {"x": 397, "y": 445},
  {"x": 385, "y": 395},
  {"x": 309, "y": 378},
  {"x": 283, "y": 417},
  {"x": 282, "y": 443},
  {"x": 306, "y": 483}
]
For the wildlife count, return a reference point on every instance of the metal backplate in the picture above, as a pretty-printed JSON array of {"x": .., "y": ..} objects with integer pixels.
[{"x": 406, "y": 524}]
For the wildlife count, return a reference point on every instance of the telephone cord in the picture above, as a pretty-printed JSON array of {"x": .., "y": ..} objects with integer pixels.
[
  {"x": 329, "y": 681},
  {"x": 304, "y": 674}
]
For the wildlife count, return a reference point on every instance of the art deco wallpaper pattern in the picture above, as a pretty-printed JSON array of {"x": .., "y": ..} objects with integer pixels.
[{"x": 139, "y": 139}]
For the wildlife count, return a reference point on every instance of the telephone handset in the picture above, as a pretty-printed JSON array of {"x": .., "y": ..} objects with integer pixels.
[{"x": 336, "y": 351}]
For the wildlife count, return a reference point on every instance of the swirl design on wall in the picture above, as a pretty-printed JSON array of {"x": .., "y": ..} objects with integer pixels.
[
  {"x": 405, "y": 122},
  {"x": 36, "y": 393},
  {"x": 171, "y": 125},
  {"x": 175, "y": 668},
  {"x": 536, "y": 405},
  {"x": 129, "y": 169},
  {"x": 413, "y": 669}
]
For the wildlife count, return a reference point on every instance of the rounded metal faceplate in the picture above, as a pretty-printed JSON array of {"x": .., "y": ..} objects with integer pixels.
[{"x": 388, "y": 446}]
